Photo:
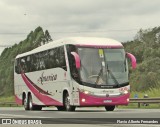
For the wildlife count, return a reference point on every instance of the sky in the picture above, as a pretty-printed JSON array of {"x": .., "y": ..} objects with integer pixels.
[{"x": 116, "y": 19}]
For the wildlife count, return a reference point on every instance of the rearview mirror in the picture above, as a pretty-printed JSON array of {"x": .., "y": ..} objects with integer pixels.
[
  {"x": 133, "y": 60},
  {"x": 77, "y": 60}
]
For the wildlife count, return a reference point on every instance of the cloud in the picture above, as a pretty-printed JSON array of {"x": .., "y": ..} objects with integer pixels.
[{"x": 116, "y": 19}]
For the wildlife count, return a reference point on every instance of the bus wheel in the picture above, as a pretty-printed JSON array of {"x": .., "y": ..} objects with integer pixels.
[
  {"x": 25, "y": 103},
  {"x": 31, "y": 106},
  {"x": 68, "y": 107},
  {"x": 61, "y": 108},
  {"x": 30, "y": 102},
  {"x": 110, "y": 108}
]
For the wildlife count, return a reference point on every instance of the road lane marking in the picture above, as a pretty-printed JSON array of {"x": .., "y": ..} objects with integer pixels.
[{"x": 20, "y": 116}]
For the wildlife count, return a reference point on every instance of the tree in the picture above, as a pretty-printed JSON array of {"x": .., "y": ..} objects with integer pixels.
[
  {"x": 47, "y": 36},
  {"x": 33, "y": 40}
]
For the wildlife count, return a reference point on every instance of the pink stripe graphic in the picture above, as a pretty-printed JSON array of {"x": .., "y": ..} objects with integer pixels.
[
  {"x": 18, "y": 100},
  {"x": 38, "y": 88},
  {"x": 42, "y": 97}
]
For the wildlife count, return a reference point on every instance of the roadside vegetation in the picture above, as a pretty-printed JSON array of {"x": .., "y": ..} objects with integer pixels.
[
  {"x": 7, "y": 99},
  {"x": 34, "y": 39},
  {"x": 146, "y": 47}
]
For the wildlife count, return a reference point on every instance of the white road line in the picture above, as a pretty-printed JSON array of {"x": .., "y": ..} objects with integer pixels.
[{"x": 19, "y": 116}]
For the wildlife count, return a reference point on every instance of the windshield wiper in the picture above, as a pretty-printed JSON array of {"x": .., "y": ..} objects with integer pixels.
[
  {"x": 114, "y": 78},
  {"x": 98, "y": 77}
]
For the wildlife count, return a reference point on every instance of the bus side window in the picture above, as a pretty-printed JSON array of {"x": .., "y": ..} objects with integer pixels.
[
  {"x": 17, "y": 66},
  {"x": 33, "y": 68},
  {"x": 41, "y": 60},
  {"x": 46, "y": 59},
  {"x": 37, "y": 62},
  {"x": 56, "y": 57},
  {"x": 62, "y": 60},
  {"x": 28, "y": 63},
  {"x": 50, "y": 62},
  {"x": 23, "y": 65}
]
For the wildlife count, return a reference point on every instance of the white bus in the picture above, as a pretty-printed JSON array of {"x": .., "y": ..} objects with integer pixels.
[{"x": 73, "y": 72}]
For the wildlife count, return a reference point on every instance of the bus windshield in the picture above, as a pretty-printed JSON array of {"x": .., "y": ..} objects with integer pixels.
[{"x": 103, "y": 66}]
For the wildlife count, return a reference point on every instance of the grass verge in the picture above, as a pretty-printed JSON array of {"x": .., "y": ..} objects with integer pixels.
[
  {"x": 152, "y": 92},
  {"x": 7, "y": 99}
]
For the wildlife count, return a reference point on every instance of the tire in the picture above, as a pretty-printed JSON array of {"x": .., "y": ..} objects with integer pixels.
[
  {"x": 110, "y": 108},
  {"x": 67, "y": 105},
  {"x": 61, "y": 108},
  {"x": 25, "y": 103},
  {"x": 31, "y": 106},
  {"x": 30, "y": 102}
]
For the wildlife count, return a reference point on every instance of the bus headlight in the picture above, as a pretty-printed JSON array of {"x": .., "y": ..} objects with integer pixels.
[
  {"x": 86, "y": 92},
  {"x": 125, "y": 92}
]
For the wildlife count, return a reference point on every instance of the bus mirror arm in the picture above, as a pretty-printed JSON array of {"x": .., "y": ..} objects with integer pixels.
[
  {"x": 133, "y": 60},
  {"x": 77, "y": 60}
]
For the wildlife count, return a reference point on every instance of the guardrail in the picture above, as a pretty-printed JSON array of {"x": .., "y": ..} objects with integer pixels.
[
  {"x": 139, "y": 101},
  {"x": 8, "y": 104},
  {"x": 144, "y": 101}
]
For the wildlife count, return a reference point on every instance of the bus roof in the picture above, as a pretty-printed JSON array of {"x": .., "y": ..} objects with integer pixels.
[{"x": 81, "y": 41}]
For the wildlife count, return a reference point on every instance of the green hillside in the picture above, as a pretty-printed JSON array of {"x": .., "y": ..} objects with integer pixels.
[
  {"x": 146, "y": 48},
  {"x": 34, "y": 39}
]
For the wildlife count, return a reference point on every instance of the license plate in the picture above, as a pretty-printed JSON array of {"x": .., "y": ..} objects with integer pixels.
[{"x": 107, "y": 101}]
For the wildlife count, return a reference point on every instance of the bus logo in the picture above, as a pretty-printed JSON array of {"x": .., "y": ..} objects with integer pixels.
[{"x": 47, "y": 78}]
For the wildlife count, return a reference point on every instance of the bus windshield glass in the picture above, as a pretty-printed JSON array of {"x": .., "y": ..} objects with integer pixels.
[{"x": 103, "y": 66}]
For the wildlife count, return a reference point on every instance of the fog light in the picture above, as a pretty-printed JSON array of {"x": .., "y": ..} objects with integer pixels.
[
  {"x": 127, "y": 99},
  {"x": 83, "y": 100}
]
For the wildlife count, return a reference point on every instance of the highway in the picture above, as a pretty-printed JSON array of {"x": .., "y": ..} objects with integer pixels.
[
  {"x": 89, "y": 112},
  {"x": 94, "y": 113}
]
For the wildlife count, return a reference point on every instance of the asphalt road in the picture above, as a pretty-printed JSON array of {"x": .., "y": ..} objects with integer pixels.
[
  {"x": 99, "y": 112},
  {"x": 84, "y": 115}
]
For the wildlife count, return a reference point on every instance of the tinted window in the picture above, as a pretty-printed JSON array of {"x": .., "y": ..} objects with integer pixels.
[{"x": 48, "y": 59}]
